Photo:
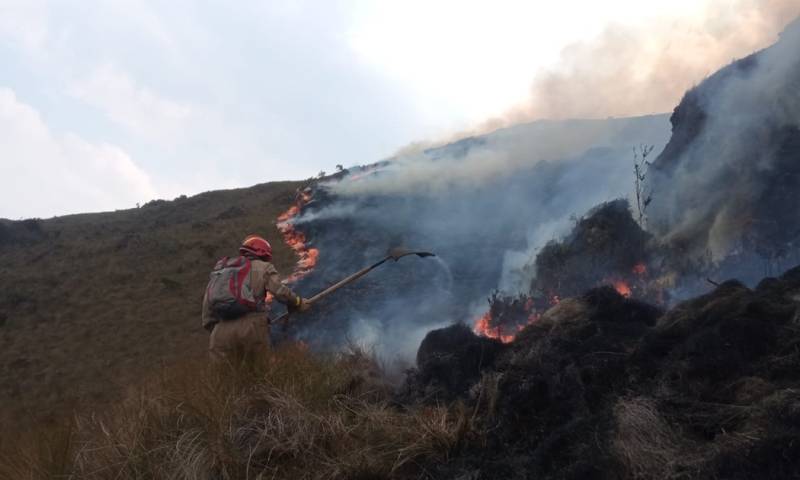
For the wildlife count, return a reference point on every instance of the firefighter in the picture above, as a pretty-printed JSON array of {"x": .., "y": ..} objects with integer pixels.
[{"x": 234, "y": 302}]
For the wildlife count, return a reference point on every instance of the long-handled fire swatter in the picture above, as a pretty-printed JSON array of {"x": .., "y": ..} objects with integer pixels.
[{"x": 393, "y": 254}]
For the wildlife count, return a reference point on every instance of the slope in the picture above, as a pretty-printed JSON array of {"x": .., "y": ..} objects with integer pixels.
[{"x": 90, "y": 303}]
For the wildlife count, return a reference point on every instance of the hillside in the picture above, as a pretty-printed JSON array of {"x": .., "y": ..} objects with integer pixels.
[
  {"x": 601, "y": 387},
  {"x": 725, "y": 185},
  {"x": 616, "y": 343},
  {"x": 90, "y": 304},
  {"x": 483, "y": 204}
]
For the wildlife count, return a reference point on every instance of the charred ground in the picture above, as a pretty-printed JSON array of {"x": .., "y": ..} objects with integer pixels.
[{"x": 602, "y": 386}]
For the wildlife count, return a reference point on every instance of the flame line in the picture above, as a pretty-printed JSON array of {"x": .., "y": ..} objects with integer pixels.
[{"x": 296, "y": 240}]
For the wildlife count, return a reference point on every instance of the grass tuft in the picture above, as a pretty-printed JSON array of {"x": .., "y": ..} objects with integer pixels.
[{"x": 290, "y": 415}]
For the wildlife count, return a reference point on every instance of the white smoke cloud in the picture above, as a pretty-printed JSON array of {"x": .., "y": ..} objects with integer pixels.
[
  {"x": 503, "y": 153},
  {"x": 55, "y": 174},
  {"x": 642, "y": 67},
  {"x": 329, "y": 213},
  {"x": 635, "y": 69}
]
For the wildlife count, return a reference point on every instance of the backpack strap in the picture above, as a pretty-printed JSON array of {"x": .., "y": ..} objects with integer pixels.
[{"x": 240, "y": 278}]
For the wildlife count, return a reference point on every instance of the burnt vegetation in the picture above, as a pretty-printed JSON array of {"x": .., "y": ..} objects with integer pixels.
[
  {"x": 605, "y": 243},
  {"x": 602, "y": 386}
]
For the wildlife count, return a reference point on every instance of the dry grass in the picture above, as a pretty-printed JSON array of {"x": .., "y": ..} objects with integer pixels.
[
  {"x": 644, "y": 442},
  {"x": 104, "y": 299},
  {"x": 292, "y": 415}
]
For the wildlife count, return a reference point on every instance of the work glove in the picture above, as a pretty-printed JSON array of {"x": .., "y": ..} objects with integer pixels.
[{"x": 300, "y": 304}]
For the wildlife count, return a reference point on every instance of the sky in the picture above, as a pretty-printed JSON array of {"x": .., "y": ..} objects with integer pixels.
[{"x": 106, "y": 104}]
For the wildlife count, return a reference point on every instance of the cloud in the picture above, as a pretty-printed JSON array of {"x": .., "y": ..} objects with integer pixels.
[
  {"x": 138, "y": 109},
  {"x": 24, "y": 23},
  {"x": 48, "y": 174}
]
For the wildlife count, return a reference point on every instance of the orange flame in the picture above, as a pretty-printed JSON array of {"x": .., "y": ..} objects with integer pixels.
[
  {"x": 622, "y": 288},
  {"x": 640, "y": 269},
  {"x": 364, "y": 172},
  {"x": 484, "y": 327},
  {"x": 288, "y": 214},
  {"x": 307, "y": 257}
]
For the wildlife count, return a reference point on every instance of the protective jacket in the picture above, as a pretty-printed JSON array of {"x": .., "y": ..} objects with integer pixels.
[{"x": 263, "y": 278}]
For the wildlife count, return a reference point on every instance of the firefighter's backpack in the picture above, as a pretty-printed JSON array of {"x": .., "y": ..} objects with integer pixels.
[{"x": 229, "y": 292}]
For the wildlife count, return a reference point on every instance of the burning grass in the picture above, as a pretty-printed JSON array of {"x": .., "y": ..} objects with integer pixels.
[
  {"x": 307, "y": 256},
  {"x": 508, "y": 315},
  {"x": 293, "y": 415},
  {"x": 606, "y": 248}
]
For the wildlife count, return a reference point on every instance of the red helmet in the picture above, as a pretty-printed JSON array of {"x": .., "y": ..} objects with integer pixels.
[{"x": 256, "y": 246}]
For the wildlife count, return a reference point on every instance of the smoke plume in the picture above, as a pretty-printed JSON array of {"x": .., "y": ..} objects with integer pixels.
[
  {"x": 473, "y": 161},
  {"x": 641, "y": 69},
  {"x": 488, "y": 203},
  {"x": 727, "y": 182},
  {"x": 484, "y": 205}
]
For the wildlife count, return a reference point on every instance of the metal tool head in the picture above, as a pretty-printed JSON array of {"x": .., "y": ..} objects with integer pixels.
[{"x": 399, "y": 252}]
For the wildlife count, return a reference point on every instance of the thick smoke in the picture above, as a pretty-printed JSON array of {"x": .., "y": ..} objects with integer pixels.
[
  {"x": 727, "y": 184},
  {"x": 645, "y": 68},
  {"x": 634, "y": 70},
  {"x": 484, "y": 205},
  {"x": 474, "y": 161}
]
